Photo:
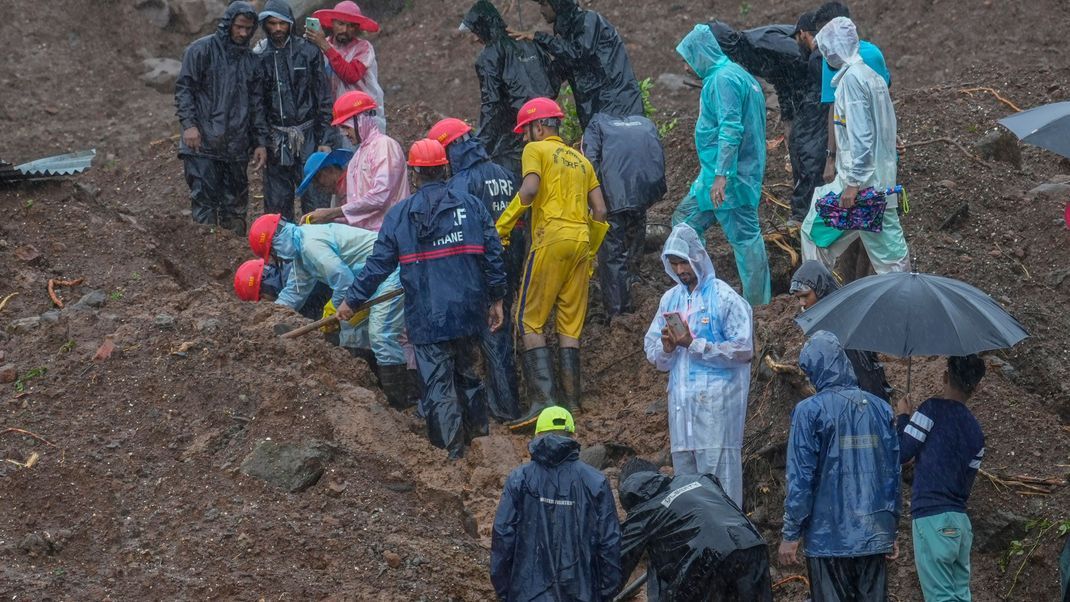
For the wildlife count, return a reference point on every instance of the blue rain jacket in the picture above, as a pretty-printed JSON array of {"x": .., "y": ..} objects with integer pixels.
[
  {"x": 476, "y": 174},
  {"x": 451, "y": 263},
  {"x": 843, "y": 461},
  {"x": 330, "y": 253},
  {"x": 556, "y": 534},
  {"x": 730, "y": 131}
]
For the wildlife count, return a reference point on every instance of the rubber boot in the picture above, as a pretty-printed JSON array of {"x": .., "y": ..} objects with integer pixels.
[
  {"x": 394, "y": 380},
  {"x": 539, "y": 374},
  {"x": 571, "y": 386}
]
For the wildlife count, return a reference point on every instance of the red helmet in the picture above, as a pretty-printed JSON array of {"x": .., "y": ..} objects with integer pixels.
[
  {"x": 535, "y": 109},
  {"x": 247, "y": 280},
  {"x": 448, "y": 130},
  {"x": 350, "y": 105},
  {"x": 261, "y": 234},
  {"x": 427, "y": 153}
]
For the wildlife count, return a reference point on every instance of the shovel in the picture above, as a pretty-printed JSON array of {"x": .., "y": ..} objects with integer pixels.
[{"x": 307, "y": 328}]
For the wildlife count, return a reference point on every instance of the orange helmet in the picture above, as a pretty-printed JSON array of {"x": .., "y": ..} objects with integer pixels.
[
  {"x": 448, "y": 130},
  {"x": 427, "y": 153},
  {"x": 247, "y": 280},
  {"x": 261, "y": 234},
  {"x": 535, "y": 109},
  {"x": 350, "y": 105}
]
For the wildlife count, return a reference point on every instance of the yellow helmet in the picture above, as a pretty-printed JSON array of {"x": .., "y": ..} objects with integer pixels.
[{"x": 555, "y": 418}]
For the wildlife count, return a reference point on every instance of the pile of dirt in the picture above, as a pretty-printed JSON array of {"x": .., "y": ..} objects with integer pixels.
[{"x": 137, "y": 484}]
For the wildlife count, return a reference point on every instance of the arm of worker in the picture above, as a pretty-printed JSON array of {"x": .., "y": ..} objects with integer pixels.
[
  {"x": 730, "y": 127},
  {"x": 386, "y": 169},
  {"x": 493, "y": 268},
  {"x": 379, "y": 266},
  {"x": 298, "y": 287},
  {"x": 490, "y": 95},
  {"x": 261, "y": 133},
  {"x": 803, "y": 449},
  {"x": 326, "y": 262},
  {"x": 325, "y": 133},
  {"x": 633, "y": 540},
  {"x": 654, "y": 340},
  {"x": 736, "y": 319},
  {"x": 861, "y": 132},
  {"x": 913, "y": 430},
  {"x": 186, "y": 87},
  {"x": 608, "y": 554},
  {"x": 592, "y": 144},
  {"x": 350, "y": 72},
  {"x": 503, "y": 538},
  {"x": 529, "y": 188},
  {"x": 572, "y": 53}
]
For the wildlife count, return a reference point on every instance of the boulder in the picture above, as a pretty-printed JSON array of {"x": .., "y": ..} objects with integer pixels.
[
  {"x": 993, "y": 533},
  {"x": 288, "y": 466},
  {"x": 92, "y": 299},
  {"x": 1000, "y": 145},
  {"x": 1050, "y": 191},
  {"x": 23, "y": 325},
  {"x": 161, "y": 74},
  {"x": 156, "y": 12},
  {"x": 197, "y": 16}
]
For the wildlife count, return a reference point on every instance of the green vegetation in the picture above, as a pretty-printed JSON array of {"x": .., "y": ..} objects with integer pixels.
[
  {"x": 20, "y": 384},
  {"x": 570, "y": 128}
]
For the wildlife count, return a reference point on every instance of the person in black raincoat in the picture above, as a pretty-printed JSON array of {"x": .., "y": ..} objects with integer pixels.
[
  {"x": 218, "y": 103},
  {"x": 511, "y": 72},
  {"x": 699, "y": 544},
  {"x": 556, "y": 535},
  {"x": 627, "y": 155},
  {"x": 813, "y": 282},
  {"x": 587, "y": 50},
  {"x": 809, "y": 130},
  {"x": 297, "y": 106}
]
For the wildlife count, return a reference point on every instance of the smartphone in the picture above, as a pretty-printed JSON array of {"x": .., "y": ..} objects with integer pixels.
[
  {"x": 676, "y": 324},
  {"x": 312, "y": 23}
]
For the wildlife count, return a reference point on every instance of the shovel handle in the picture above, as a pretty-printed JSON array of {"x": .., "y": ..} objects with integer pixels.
[{"x": 307, "y": 328}]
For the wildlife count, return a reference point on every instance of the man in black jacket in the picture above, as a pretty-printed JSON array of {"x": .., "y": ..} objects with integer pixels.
[
  {"x": 511, "y": 72},
  {"x": 218, "y": 105},
  {"x": 699, "y": 544},
  {"x": 587, "y": 49},
  {"x": 297, "y": 106}
]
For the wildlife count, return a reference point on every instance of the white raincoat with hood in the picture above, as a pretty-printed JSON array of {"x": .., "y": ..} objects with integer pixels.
[
  {"x": 865, "y": 128},
  {"x": 709, "y": 380}
]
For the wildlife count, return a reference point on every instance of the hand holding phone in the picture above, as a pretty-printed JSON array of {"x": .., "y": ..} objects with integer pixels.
[
  {"x": 677, "y": 326},
  {"x": 313, "y": 24}
]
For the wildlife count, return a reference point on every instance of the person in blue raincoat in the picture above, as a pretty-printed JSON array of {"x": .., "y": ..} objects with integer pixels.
[
  {"x": 842, "y": 480},
  {"x": 556, "y": 534},
  {"x": 730, "y": 140},
  {"x": 709, "y": 367}
]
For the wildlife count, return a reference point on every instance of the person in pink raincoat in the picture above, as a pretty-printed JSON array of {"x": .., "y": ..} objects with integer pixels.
[{"x": 375, "y": 177}]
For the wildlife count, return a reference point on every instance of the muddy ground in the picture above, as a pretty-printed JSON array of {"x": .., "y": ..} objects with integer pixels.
[{"x": 136, "y": 492}]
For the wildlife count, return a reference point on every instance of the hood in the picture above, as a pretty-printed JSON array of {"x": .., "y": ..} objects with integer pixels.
[
  {"x": 684, "y": 242},
  {"x": 552, "y": 450},
  {"x": 826, "y": 365},
  {"x": 566, "y": 11},
  {"x": 730, "y": 40},
  {"x": 484, "y": 20},
  {"x": 815, "y": 276},
  {"x": 287, "y": 241},
  {"x": 838, "y": 42},
  {"x": 466, "y": 153},
  {"x": 436, "y": 198},
  {"x": 280, "y": 9},
  {"x": 366, "y": 126},
  {"x": 701, "y": 51},
  {"x": 232, "y": 12},
  {"x": 642, "y": 487}
]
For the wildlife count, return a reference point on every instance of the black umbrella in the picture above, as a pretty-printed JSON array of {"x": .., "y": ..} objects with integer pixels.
[
  {"x": 1046, "y": 126},
  {"x": 908, "y": 314}
]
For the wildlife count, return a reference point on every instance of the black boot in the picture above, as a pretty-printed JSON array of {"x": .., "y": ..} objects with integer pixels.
[
  {"x": 539, "y": 374},
  {"x": 571, "y": 385},
  {"x": 395, "y": 382}
]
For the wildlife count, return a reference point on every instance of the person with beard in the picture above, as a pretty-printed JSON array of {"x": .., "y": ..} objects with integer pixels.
[
  {"x": 587, "y": 49},
  {"x": 297, "y": 106},
  {"x": 351, "y": 63},
  {"x": 218, "y": 101},
  {"x": 511, "y": 72}
]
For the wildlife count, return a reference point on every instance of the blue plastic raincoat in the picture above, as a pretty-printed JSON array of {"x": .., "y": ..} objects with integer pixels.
[
  {"x": 334, "y": 254},
  {"x": 556, "y": 534},
  {"x": 709, "y": 381},
  {"x": 843, "y": 461},
  {"x": 730, "y": 140}
]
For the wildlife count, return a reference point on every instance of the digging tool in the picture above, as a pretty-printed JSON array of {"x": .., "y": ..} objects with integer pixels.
[
  {"x": 633, "y": 588},
  {"x": 330, "y": 320}
]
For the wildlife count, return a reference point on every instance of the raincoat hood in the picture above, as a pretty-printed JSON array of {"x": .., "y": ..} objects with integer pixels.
[
  {"x": 551, "y": 450},
  {"x": 826, "y": 365},
  {"x": 838, "y": 42},
  {"x": 366, "y": 127},
  {"x": 565, "y": 11},
  {"x": 702, "y": 52},
  {"x": 815, "y": 276},
  {"x": 232, "y": 12},
  {"x": 728, "y": 38},
  {"x": 484, "y": 20},
  {"x": 684, "y": 242},
  {"x": 464, "y": 154},
  {"x": 642, "y": 487},
  {"x": 287, "y": 242},
  {"x": 280, "y": 9}
]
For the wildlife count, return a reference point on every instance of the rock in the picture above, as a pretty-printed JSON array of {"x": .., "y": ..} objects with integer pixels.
[
  {"x": 37, "y": 544},
  {"x": 1000, "y": 145},
  {"x": 23, "y": 325},
  {"x": 157, "y": 12},
  {"x": 94, "y": 298},
  {"x": 197, "y": 16},
  {"x": 164, "y": 322},
  {"x": 8, "y": 373},
  {"x": 1050, "y": 191},
  {"x": 290, "y": 467},
  {"x": 392, "y": 559},
  {"x": 207, "y": 325},
  {"x": 993, "y": 533},
  {"x": 27, "y": 253},
  {"x": 86, "y": 191},
  {"x": 948, "y": 184},
  {"x": 50, "y": 317},
  {"x": 1057, "y": 277},
  {"x": 1004, "y": 366},
  {"x": 655, "y": 237},
  {"x": 161, "y": 74},
  {"x": 673, "y": 82},
  {"x": 594, "y": 456}
]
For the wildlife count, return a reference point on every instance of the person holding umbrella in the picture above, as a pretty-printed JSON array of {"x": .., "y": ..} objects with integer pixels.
[{"x": 945, "y": 441}]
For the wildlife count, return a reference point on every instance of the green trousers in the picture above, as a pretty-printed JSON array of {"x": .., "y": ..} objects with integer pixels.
[{"x": 942, "y": 554}]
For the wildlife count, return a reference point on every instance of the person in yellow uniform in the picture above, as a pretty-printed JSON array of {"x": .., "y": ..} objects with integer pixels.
[{"x": 568, "y": 223}]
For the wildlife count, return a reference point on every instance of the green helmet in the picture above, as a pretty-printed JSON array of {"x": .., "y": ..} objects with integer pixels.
[{"x": 555, "y": 418}]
